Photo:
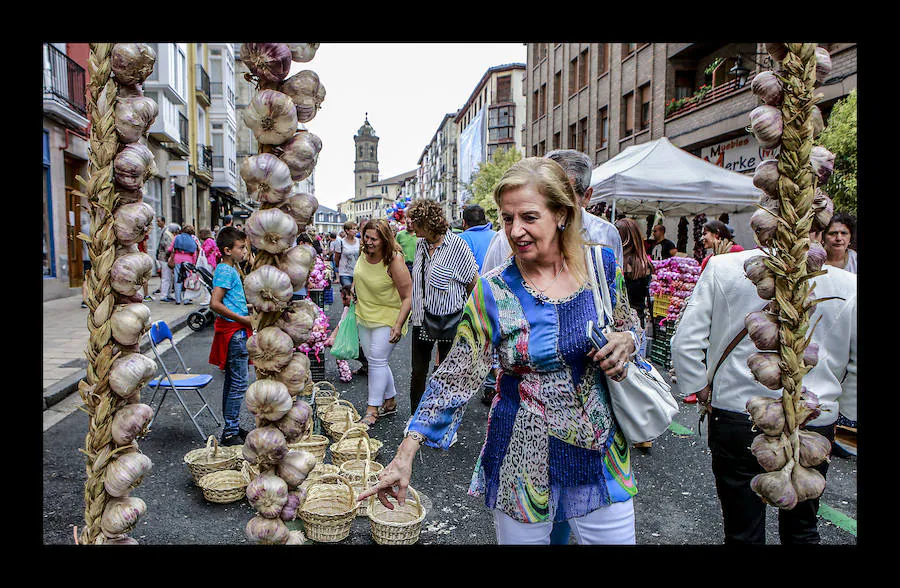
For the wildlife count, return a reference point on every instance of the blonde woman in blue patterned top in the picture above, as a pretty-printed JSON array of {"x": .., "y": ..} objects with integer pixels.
[{"x": 553, "y": 450}]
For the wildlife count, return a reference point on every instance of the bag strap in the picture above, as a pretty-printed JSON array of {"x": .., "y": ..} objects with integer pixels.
[{"x": 601, "y": 302}]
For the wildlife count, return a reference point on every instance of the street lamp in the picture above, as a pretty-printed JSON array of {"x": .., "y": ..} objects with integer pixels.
[{"x": 740, "y": 72}]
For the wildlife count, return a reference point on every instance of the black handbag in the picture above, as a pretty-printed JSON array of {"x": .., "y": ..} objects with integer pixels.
[{"x": 439, "y": 327}]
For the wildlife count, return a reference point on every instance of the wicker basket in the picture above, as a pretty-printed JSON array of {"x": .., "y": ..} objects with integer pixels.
[
  {"x": 335, "y": 412},
  {"x": 322, "y": 396},
  {"x": 329, "y": 509},
  {"x": 400, "y": 526},
  {"x": 362, "y": 474},
  {"x": 225, "y": 486},
  {"x": 337, "y": 429},
  {"x": 315, "y": 444},
  {"x": 351, "y": 445},
  {"x": 210, "y": 459}
]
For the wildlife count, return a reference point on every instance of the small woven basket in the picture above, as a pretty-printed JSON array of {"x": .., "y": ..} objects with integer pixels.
[
  {"x": 210, "y": 459},
  {"x": 225, "y": 486},
  {"x": 400, "y": 526},
  {"x": 329, "y": 509},
  {"x": 351, "y": 446},
  {"x": 362, "y": 474},
  {"x": 335, "y": 413},
  {"x": 337, "y": 429},
  {"x": 322, "y": 397},
  {"x": 315, "y": 444}
]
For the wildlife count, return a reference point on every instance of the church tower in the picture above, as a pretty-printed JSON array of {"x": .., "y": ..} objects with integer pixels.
[{"x": 366, "y": 168}]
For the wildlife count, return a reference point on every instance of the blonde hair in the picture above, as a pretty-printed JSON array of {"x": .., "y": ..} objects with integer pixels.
[{"x": 551, "y": 182}]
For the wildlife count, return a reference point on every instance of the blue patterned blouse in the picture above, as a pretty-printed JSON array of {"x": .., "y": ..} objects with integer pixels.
[{"x": 553, "y": 450}]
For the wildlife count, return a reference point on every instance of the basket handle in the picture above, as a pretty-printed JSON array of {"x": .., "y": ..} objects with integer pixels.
[
  {"x": 212, "y": 446},
  {"x": 322, "y": 479},
  {"x": 357, "y": 429},
  {"x": 415, "y": 494}
]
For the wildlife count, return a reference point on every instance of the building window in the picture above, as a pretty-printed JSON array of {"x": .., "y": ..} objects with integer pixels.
[
  {"x": 645, "y": 106},
  {"x": 557, "y": 88},
  {"x": 602, "y": 58},
  {"x": 543, "y": 148},
  {"x": 628, "y": 119},
  {"x": 535, "y": 106},
  {"x": 573, "y": 76},
  {"x": 583, "y": 136},
  {"x": 628, "y": 49},
  {"x": 584, "y": 68},
  {"x": 556, "y": 139},
  {"x": 573, "y": 136},
  {"x": 543, "y": 99},
  {"x": 603, "y": 128},
  {"x": 504, "y": 88},
  {"x": 684, "y": 83}
]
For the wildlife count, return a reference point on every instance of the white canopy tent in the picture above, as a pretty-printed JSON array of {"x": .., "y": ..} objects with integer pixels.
[{"x": 657, "y": 175}]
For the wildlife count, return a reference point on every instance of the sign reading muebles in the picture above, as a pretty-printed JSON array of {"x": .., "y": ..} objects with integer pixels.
[{"x": 742, "y": 154}]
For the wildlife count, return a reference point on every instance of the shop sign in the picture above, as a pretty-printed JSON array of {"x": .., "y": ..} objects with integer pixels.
[{"x": 742, "y": 154}]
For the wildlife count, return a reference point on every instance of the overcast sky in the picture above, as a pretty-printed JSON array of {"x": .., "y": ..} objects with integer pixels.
[{"x": 406, "y": 89}]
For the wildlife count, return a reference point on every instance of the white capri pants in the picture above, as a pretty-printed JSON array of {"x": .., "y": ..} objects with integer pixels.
[
  {"x": 377, "y": 347},
  {"x": 608, "y": 525}
]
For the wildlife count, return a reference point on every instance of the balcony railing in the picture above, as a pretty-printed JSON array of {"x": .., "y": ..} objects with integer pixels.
[
  {"x": 183, "y": 130},
  {"x": 204, "y": 158},
  {"x": 201, "y": 82},
  {"x": 66, "y": 80},
  {"x": 702, "y": 97}
]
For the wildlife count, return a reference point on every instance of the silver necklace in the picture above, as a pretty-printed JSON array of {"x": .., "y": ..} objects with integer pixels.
[{"x": 542, "y": 298}]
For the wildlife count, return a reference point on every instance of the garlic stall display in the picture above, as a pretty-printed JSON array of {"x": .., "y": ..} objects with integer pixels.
[
  {"x": 791, "y": 205},
  {"x": 119, "y": 164},
  {"x": 287, "y": 154}
]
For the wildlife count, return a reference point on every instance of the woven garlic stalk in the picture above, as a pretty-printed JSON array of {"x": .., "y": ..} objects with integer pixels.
[
  {"x": 115, "y": 372},
  {"x": 788, "y": 210},
  {"x": 282, "y": 417}
]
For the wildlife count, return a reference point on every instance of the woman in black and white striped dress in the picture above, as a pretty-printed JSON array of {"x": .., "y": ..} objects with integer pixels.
[{"x": 444, "y": 273}]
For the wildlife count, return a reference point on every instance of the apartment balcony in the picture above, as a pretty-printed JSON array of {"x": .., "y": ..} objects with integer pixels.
[
  {"x": 204, "y": 161},
  {"x": 64, "y": 89},
  {"x": 202, "y": 86},
  {"x": 702, "y": 97}
]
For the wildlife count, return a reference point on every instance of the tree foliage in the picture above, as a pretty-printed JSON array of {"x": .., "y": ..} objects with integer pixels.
[
  {"x": 839, "y": 137},
  {"x": 487, "y": 176}
]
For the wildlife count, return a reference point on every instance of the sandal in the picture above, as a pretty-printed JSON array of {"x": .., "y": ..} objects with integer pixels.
[
  {"x": 369, "y": 419},
  {"x": 382, "y": 411}
]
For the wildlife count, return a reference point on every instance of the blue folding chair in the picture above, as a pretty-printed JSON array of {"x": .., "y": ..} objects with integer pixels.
[{"x": 178, "y": 381}]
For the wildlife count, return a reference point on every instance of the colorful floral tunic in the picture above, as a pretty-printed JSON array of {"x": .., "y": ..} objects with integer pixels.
[{"x": 553, "y": 449}]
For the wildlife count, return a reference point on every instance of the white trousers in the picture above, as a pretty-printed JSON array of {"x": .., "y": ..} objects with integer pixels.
[
  {"x": 608, "y": 525},
  {"x": 377, "y": 347},
  {"x": 166, "y": 279}
]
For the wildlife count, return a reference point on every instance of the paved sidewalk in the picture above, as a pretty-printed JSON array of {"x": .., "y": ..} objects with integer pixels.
[{"x": 66, "y": 336}]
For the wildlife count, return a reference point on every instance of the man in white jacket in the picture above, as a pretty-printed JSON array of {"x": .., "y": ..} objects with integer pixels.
[{"x": 713, "y": 316}]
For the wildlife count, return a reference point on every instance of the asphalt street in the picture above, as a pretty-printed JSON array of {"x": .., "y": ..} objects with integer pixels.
[{"x": 676, "y": 502}]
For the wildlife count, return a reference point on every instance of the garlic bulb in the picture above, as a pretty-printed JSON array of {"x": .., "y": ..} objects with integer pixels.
[
  {"x": 120, "y": 515},
  {"x": 268, "y": 61},
  {"x": 294, "y": 422},
  {"x": 292, "y": 506},
  {"x": 811, "y": 355},
  {"x": 778, "y": 51},
  {"x": 265, "y": 446},
  {"x": 303, "y": 52},
  {"x": 815, "y": 257},
  {"x": 132, "y": 222},
  {"x": 272, "y": 230},
  {"x": 297, "y": 262},
  {"x": 808, "y": 483},
  {"x": 766, "y": 125},
  {"x": 817, "y": 122},
  {"x": 133, "y": 166},
  {"x": 814, "y": 448},
  {"x": 130, "y": 423},
  {"x": 823, "y": 64},
  {"x": 125, "y": 472},
  {"x": 268, "y": 289},
  {"x": 128, "y": 323},
  {"x": 267, "y": 177},
  {"x": 301, "y": 206},
  {"x": 132, "y": 63},
  {"x": 271, "y": 116},
  {"x": 267, "y": 531},
  {"x": 765, "y": 177},
  {"x": 767, "y": 414},
  {"x": 307, "y": 92},
  {"x": 129, "y": 373},
  {"x": 296, "y": 322},
  {"x": 766, "y": 369},
  {"x": 126, "y": 197},
  {"x": 776, "y": 488},
  {"x": 134, "y": 116},
  {"x": 301, "y": 153},
  {"x": 308, "y": 306},
  {"x": 765, "y": 224},
  {"x": 767, "y": 88},
  {"x": 822, "y": 161},
  {"x": 822, "y": 209},
  {"x": 770, "y": 452},
  {"x": 270, "y": 349},
  {"x": 268, "y": 399},
  {"x": 130, "y": 272},
  {"x": 762, "y": 327},
  {"x": 295, "y": 374},
  {"x": 267, "y": 493},
  {"x": 755, "y": 268},
  {"x": 765, "y": 288},
  {"x": 295, "y": 467},
  {"x": 121, "y": 540}
]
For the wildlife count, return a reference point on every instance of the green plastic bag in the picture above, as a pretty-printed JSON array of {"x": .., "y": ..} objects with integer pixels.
[{"x": 346, "y": 344}]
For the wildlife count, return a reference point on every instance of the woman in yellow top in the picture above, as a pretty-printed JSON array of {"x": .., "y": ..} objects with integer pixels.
[{"x": 383, "y": 290}]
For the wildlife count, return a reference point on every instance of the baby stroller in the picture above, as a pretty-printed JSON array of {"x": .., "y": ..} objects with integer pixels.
[{"x": 203, "y": 316}]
